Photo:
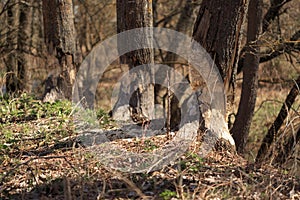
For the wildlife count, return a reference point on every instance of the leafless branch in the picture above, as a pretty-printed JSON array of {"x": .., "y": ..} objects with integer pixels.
[
  {"x": 283, "y": 113},
  {"x": 289, "y": 46},
  {"x": 273, "y": 12}
]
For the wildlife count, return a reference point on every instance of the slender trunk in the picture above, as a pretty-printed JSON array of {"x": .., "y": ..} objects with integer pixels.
[
  {"x": 23, "y": 42},
  {"x": 241, "y": 126}
]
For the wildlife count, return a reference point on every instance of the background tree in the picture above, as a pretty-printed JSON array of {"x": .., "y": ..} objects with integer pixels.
[
  {"x": 12, "y": 79},
  {"x": 19, "y": 14},
  {"x": 130, "y": 15},
  {"x": 164, "y": 96},
  {"x": 94, "y": 21},
  {"x": 60, "y": 38}
]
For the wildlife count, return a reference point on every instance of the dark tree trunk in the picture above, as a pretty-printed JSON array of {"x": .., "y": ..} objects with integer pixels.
[
  {"x": 14, "y": 73},
  {"x": 60, "y": 39},
  {"x": 23, "y": 42},
  {"x": 130, "y": 15},
  {"x": 217, "y": 29},
  {"x": 283, "y": 113},
  {"x": 241, "y": 126}
]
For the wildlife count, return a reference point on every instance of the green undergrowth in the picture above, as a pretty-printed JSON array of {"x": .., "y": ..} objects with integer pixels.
[
  {"x": 28, "y": 123},
  {"x": 27, "y": 107}
]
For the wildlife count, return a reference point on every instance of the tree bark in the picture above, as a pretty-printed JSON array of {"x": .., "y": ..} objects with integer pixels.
[
  {"x": 60, "y": 38},
  {"x": 241, "y": 126},
  {"x": 283, "y": 113},
  {"x": 218, "y": 30},
  {"x": 130, "y": 15},
  {"x": 13, "y": 73},
  {"x": 24, "y": 42}
]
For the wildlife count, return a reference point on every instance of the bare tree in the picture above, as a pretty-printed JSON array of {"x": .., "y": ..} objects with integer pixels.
[
  {"x": 60, "y": 38},
  {"x": 241, "y": 126},
  {"x": 130, "y": 15},
  {"x": 219, "y": 32},
  {"x": 12, "y": 81},
  {"x": 18, "y": 37}
]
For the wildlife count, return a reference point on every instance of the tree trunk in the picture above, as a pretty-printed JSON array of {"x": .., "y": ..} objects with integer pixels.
[
  {"x": 130, "y": 15},
  {"x": 23, "y": 42},
  {"x": 241, "y": 126},
  {"x": 218, "y": 30},
  {"x": 14, "y": 74},
  {"x": 60, "y": 39}
]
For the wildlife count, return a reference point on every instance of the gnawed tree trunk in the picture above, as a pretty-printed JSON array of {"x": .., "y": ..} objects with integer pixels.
[
  {"x": 60, "y": 38},
  {"x": 130, "y": 15},
  {"x": 241, "y": 126},
  {"x": 283, "y": 113},
  {"x": 218, "y": 30}
]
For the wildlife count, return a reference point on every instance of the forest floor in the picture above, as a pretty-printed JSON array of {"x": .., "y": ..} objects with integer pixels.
[{"x": 41, "y": 160}]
